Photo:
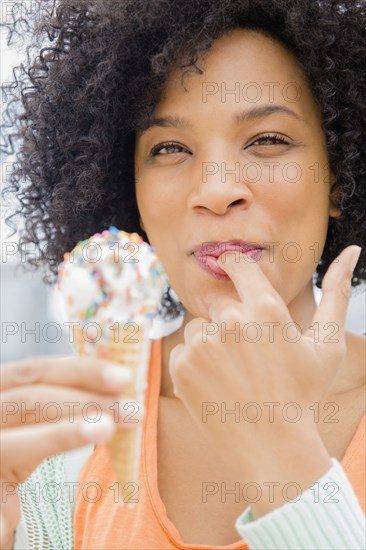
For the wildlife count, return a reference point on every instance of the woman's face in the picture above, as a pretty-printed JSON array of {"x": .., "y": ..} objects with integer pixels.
[{"x": 247, "y": 162}]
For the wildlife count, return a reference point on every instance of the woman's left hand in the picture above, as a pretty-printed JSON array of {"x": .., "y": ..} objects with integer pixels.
[{"x": 218, "y": 373}]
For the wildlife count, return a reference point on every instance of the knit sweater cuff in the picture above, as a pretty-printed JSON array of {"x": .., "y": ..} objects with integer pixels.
[{"x": 327, "y": 516}]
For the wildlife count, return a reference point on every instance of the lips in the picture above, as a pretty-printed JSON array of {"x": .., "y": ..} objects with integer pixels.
[{"x": 207, "y": 253}]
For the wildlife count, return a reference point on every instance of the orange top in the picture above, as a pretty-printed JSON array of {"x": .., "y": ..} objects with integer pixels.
[{"x": 100, "y": 523}]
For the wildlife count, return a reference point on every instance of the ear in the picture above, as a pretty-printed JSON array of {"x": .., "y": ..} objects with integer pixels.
[{"x": 334, "y": 211}]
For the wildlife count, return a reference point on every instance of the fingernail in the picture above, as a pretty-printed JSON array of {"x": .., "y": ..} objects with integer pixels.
[
  {"x": 130, "y": 413},
  {"x": 116, "y": 375},
  {"x": 229, "y": 260},
  {"x": 98, "y": 432},
  {"x": 356, "y": 251}
]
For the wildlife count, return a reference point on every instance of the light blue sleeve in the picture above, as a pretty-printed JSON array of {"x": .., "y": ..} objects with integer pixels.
[{"x": 327, "y": 516}]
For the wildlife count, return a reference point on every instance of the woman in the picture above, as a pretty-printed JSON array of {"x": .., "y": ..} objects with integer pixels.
[{"x": 228, "y": 134}]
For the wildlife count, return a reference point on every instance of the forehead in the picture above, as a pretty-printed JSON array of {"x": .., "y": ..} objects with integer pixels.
[
  {"x": 242, "y": 66},
  {"x": 250, "y": 52}
]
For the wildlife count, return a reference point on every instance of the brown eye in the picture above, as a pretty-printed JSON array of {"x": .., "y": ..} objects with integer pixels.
[
  {"x": 271, "y": 139},
  {"x": 169, "y": 146}
]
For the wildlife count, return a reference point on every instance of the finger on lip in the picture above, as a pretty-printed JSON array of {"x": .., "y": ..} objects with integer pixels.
[
  {"x": 217, "y": 248},
  {"x": 230, "y": 258}
]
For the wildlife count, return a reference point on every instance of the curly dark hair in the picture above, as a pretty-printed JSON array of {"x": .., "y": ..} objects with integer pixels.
[{"x": 87, "y": 93}]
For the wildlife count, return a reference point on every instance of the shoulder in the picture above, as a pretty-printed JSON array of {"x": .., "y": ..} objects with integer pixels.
[
  {"x": 356, "y": 359},
  {"x": 351, "y": 379},
  {"x": 356, "y": 349}
]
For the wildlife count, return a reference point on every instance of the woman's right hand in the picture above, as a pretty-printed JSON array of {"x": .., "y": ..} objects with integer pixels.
[{"x": 51, "y": 405}]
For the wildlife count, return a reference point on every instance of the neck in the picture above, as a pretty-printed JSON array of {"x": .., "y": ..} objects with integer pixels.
[{"x": 302, "y": 310}]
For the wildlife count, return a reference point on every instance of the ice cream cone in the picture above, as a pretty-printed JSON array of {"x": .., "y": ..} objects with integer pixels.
[
  {"x": 127, "y": 345},
  {"x": 112, "y": 285}
]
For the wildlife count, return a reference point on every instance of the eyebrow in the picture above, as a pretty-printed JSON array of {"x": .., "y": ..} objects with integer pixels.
[{"x": 242, "y": 116}]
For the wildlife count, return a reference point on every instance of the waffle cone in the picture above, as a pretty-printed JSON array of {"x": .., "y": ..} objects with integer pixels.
[{"x": 128, "y": 346}]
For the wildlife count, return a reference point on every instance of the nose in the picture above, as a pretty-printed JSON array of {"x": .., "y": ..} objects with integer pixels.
[{"x": 220, "y": 187}]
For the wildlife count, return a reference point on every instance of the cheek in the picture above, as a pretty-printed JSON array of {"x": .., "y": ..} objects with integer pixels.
[
  {"x": 157, "y": 204},
  {"x": 298, "y": 196},
  {"x": 298, "y": 214},
  {"x": 161, "y": 211}
]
